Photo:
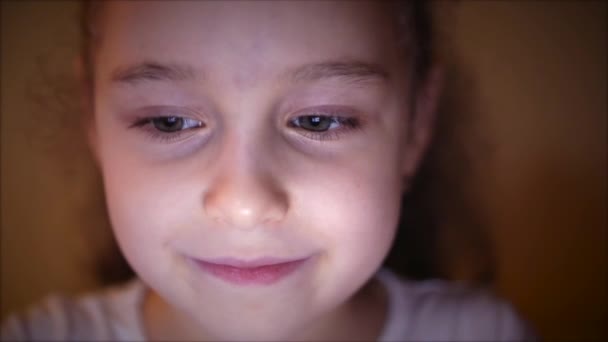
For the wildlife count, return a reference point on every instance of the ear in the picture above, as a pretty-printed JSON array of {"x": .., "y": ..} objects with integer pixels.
[
  {"x": 422, "y": 126},
  {"x": 86, "y": 106}
]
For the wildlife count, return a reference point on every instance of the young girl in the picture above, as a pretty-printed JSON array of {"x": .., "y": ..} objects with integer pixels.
[{"x": 254, "y": 155}]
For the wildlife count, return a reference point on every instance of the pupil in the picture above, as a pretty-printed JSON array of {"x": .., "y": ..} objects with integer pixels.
[
  {"x": 169, "y": 124},
  {"x": 317, "y": 123}
]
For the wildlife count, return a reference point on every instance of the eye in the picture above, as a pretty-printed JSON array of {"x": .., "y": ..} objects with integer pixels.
[
  {"x": 170, "y": 124},
  {"x": 168, "y": 128},
  {"x": 314, "y": 123},
  {"x": 323, "y": 127}
]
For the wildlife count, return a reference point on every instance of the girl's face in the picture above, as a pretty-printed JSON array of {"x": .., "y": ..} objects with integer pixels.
[{"x": 249, "y": 134}]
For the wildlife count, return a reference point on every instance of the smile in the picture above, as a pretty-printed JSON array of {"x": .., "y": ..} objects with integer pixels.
[{"x": 265, "y": 271}]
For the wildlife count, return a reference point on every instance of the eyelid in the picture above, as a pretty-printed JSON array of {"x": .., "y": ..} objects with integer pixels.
[
  {"x": 144, "y": 121},
  {"x": 338, "y": 111},
  {"x": 150, "y": 112},
  {"x": 349, "y": 119}
]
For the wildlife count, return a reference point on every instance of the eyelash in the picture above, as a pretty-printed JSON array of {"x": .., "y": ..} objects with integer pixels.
[
  {"x": 147, "y": 125},
  {"x": 346, "y": 124}
]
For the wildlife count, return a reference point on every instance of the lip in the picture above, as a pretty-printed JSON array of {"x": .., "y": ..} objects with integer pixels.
[{"x": 263, "y": 271}]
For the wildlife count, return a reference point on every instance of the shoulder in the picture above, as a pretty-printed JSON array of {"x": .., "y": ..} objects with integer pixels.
[
  {"x": 441, "y": 311},
  {"x": 106, "y": 315}
]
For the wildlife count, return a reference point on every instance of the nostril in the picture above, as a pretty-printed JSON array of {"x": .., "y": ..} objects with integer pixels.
[
  {"x": 277, "y": 211},
  {"x": 245, "y": 209},
  {"x": 245, "y": 197},
  {"x": 213, "y": 209}
]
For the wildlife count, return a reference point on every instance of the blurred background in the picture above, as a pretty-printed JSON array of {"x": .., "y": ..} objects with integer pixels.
[{"x": 532, "y": 74}]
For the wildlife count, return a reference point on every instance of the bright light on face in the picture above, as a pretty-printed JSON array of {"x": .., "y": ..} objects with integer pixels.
[{"x": 242, "y": 135}]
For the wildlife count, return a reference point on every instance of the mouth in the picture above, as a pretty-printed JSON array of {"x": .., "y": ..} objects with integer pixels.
[{"x": 264, "y": 271}]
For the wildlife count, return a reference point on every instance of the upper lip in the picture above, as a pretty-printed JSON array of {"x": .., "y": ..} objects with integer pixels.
[{"x": 240, "y": 263}]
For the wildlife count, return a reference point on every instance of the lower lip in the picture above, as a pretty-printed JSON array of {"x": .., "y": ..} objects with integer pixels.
[{"x": 260, "y": 275}]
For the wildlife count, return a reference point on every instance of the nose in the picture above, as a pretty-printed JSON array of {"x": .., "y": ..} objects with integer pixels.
[{"x": 245, "y": 196}]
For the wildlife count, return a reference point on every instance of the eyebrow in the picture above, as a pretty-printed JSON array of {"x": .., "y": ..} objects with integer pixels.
[
  {"x": 153, "y": 71},
  {"x": 352, "y": 70}
]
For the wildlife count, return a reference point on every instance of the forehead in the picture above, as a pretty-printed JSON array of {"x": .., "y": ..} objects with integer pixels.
[{"x": 251, "y": 39}]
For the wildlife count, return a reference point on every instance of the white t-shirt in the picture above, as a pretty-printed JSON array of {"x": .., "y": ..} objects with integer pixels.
[{"x": 418, "y": 311}]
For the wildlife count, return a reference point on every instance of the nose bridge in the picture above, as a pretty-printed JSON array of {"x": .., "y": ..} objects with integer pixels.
[{"x": 244, "y": 193}]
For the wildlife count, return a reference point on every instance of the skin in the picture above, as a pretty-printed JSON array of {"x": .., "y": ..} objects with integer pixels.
[{"x": 246, "y": 183}]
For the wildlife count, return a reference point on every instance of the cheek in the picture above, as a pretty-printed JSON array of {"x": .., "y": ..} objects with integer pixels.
[
  {"x": 363, "y": 223},
  {"x": 353, "y": 212},
  {"x": 135, "y": 222},
  {"x": 142, "y": 202}
]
